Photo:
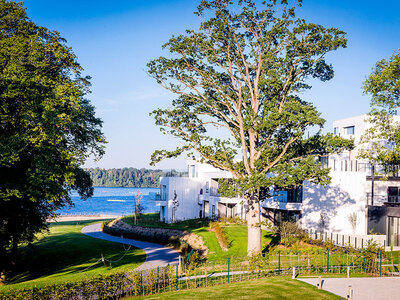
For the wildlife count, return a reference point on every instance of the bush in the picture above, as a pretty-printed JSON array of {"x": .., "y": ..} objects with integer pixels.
[
  {"x": 290, "y": 233},
  {"x": 223, "y": 241},
  {"x": 102, "y": 287}
]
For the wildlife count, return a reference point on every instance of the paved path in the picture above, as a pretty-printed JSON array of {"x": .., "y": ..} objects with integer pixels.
[
  {"x": 156, "y": 255},
  {"x": 364, "y": 288}
]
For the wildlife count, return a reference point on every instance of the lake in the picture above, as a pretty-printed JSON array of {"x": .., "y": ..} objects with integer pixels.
[{"x": 112, "y": 201}]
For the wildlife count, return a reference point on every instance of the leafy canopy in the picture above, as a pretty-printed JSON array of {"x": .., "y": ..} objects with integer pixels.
[
  {"x": 382, "y": 140},
  {"x": 243, "y": 72},
  {"x": 47, "y": 127}
]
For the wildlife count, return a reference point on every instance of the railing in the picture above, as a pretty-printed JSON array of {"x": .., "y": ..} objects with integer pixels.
[
  {"x": 376, "y": 200},
  {"x": 353, "y": 240}
]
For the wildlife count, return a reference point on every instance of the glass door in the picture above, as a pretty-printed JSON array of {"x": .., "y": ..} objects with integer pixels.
[{"x": 394, "y": 231}]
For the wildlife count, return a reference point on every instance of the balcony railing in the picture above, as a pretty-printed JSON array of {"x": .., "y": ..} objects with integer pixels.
[{"x": 379, "y": 200}]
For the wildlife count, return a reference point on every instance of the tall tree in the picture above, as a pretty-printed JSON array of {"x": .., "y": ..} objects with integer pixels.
[
  {"x": 242, "y": 72},
  {"x": 47, "y": 128},
  {"x": 382, "y": 140}
]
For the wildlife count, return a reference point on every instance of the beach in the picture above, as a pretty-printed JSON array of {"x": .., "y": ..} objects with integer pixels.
[{"x": 82, "y": 218}]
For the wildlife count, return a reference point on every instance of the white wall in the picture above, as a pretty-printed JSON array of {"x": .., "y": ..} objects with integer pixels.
[
  {"x": 187, "y": 191},
  {"x": 345, "y": 195}
]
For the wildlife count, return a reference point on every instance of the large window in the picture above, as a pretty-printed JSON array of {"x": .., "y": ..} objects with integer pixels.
[
  {"x": 349, "y": 130},
  {"x": 293, "y": 195},
  {"x": 394, "y": 231}
]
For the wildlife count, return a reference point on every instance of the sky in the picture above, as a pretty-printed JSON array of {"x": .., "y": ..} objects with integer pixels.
[{"x": 114, "y": 40}]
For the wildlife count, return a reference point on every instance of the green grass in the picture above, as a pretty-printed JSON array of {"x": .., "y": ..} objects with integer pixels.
[
  {"x": 267, "y": 288},
  {"x": 237, "y": 237},
  {"x": 236, "y": 234},
  {"x": 153, "y": 220},
  {"x": 62, "y": 254}
]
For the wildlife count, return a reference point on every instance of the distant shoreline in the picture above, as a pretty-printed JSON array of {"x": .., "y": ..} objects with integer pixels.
[{"x": 65, "y": 218}]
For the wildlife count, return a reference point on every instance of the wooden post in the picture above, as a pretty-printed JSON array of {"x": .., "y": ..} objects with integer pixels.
[
  {"x": 294, "y": 273},
  {"x": 348, "y": 272},
  {"x": 319, "y": 284}
]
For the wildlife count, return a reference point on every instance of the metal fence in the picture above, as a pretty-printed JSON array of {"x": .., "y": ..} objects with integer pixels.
[{"x": 189, "y": 275}]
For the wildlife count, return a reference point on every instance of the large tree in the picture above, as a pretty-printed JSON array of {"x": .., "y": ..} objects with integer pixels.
[
  {"x": 382, "y": 140},
  {"x": 243, "y": 72},
  {"x": 47, "y": 128}
]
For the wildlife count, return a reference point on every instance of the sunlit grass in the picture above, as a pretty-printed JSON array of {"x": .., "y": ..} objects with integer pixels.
[
  {"x": 64, "y": 254},
  {"x": 266, "y": 288}
]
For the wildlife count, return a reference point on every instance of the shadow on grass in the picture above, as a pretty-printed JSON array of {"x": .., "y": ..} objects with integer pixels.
[
  {"x": 66, "y": 251},
  {"x": 274, "y": 241}
]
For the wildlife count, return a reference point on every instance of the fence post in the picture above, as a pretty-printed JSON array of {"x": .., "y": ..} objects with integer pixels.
[
  {"x": 158, "y": 279},
  {"x": 279, "y": 262},
  {"x": 327, "y": 263},
  {"x": 294, "y": 273},
  {"x": 177, "y": 276},
  {"x": 380, "y": 263},
  {"x": 228, "y": 267}
]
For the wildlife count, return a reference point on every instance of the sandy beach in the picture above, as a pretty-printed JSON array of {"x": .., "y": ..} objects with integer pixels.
[{"x": 82, "y": 218}]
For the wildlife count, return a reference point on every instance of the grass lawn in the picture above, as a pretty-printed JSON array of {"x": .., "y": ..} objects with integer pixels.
[
  {"x": 62, "y": 254},
  {"x": 266, "y": 288},
  {"x": 236, "y": 234}
]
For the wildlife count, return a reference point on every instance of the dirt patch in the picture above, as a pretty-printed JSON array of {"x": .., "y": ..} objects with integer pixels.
[{"x": 195, "y": 241}]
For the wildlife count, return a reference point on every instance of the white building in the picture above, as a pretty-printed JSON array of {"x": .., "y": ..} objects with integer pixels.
[
  {"x": 196, "y": 196},
  {"x": 355, "y": 193},
  {"x": 355, "y": 202}
]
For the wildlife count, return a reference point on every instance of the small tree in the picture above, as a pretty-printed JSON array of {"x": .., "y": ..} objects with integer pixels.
[
  {"x": 139, "y": 208},
  {"x": 382, "y": 140},
  {"x": 353, "y": 221},
  {"x": 242, "y": 73}
]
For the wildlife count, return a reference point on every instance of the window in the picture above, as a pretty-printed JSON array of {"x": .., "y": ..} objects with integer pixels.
[
  {"x": 293, "y": 195},
  {"x": 336, "y": 130},
  {"x": 393, "y": 193},
  {"x": 192, "y": 171},
  {"x": 349, "y": 130}
]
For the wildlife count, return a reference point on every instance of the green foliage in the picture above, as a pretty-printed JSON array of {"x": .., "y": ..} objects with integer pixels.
[
  {"x": 66, "y": 255},
  {"x": 101, "y": 287},
  {"x": 243, "y": 72},
  {"x": 382, "y": 140},
  {"x": 47, "y": 128},
  {"x": 220, "y": 234},
  {"x": 290, "y": 233},
  {"x": 129, "y": 177},
  {"x": 163, "y": 238}
]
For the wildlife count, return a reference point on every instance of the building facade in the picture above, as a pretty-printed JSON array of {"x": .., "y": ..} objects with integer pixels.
[
  {"x": 196, "y": 196},
  {"x": 358, "y": 200}
]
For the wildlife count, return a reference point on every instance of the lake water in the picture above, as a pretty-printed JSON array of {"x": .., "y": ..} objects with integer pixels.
[{"x": 112, "y": 201}]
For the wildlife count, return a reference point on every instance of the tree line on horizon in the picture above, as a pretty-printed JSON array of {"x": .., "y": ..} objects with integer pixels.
[{"x": 130, "y": 177}]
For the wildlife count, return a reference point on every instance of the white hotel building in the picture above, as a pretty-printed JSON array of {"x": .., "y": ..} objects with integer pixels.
[{"x": 356, "y": 191}]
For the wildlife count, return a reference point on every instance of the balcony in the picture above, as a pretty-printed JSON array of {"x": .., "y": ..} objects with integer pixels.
[{"x": 380, "y": 200}]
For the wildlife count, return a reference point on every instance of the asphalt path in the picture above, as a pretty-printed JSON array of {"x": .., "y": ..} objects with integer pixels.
[
  {"x": 364, "y": 288},
  {"x": 156, "y": 255}
]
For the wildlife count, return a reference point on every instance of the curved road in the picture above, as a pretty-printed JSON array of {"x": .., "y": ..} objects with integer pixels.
[{"x": 156, "y": 255}]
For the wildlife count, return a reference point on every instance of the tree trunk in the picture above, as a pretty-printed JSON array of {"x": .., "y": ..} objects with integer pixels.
[
  {"x": 14, "y": 250},
  {"x": 253, "y": 224}
]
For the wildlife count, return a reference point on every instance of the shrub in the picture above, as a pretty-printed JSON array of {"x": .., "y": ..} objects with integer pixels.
[
  {"x": 101, "y": 287},
  {"x": 290, "y": 233},
  {"x": 222, "y": 240}
]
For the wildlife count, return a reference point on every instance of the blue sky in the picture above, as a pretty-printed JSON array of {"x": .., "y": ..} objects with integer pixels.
[{"x": 114, "y": 40}]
